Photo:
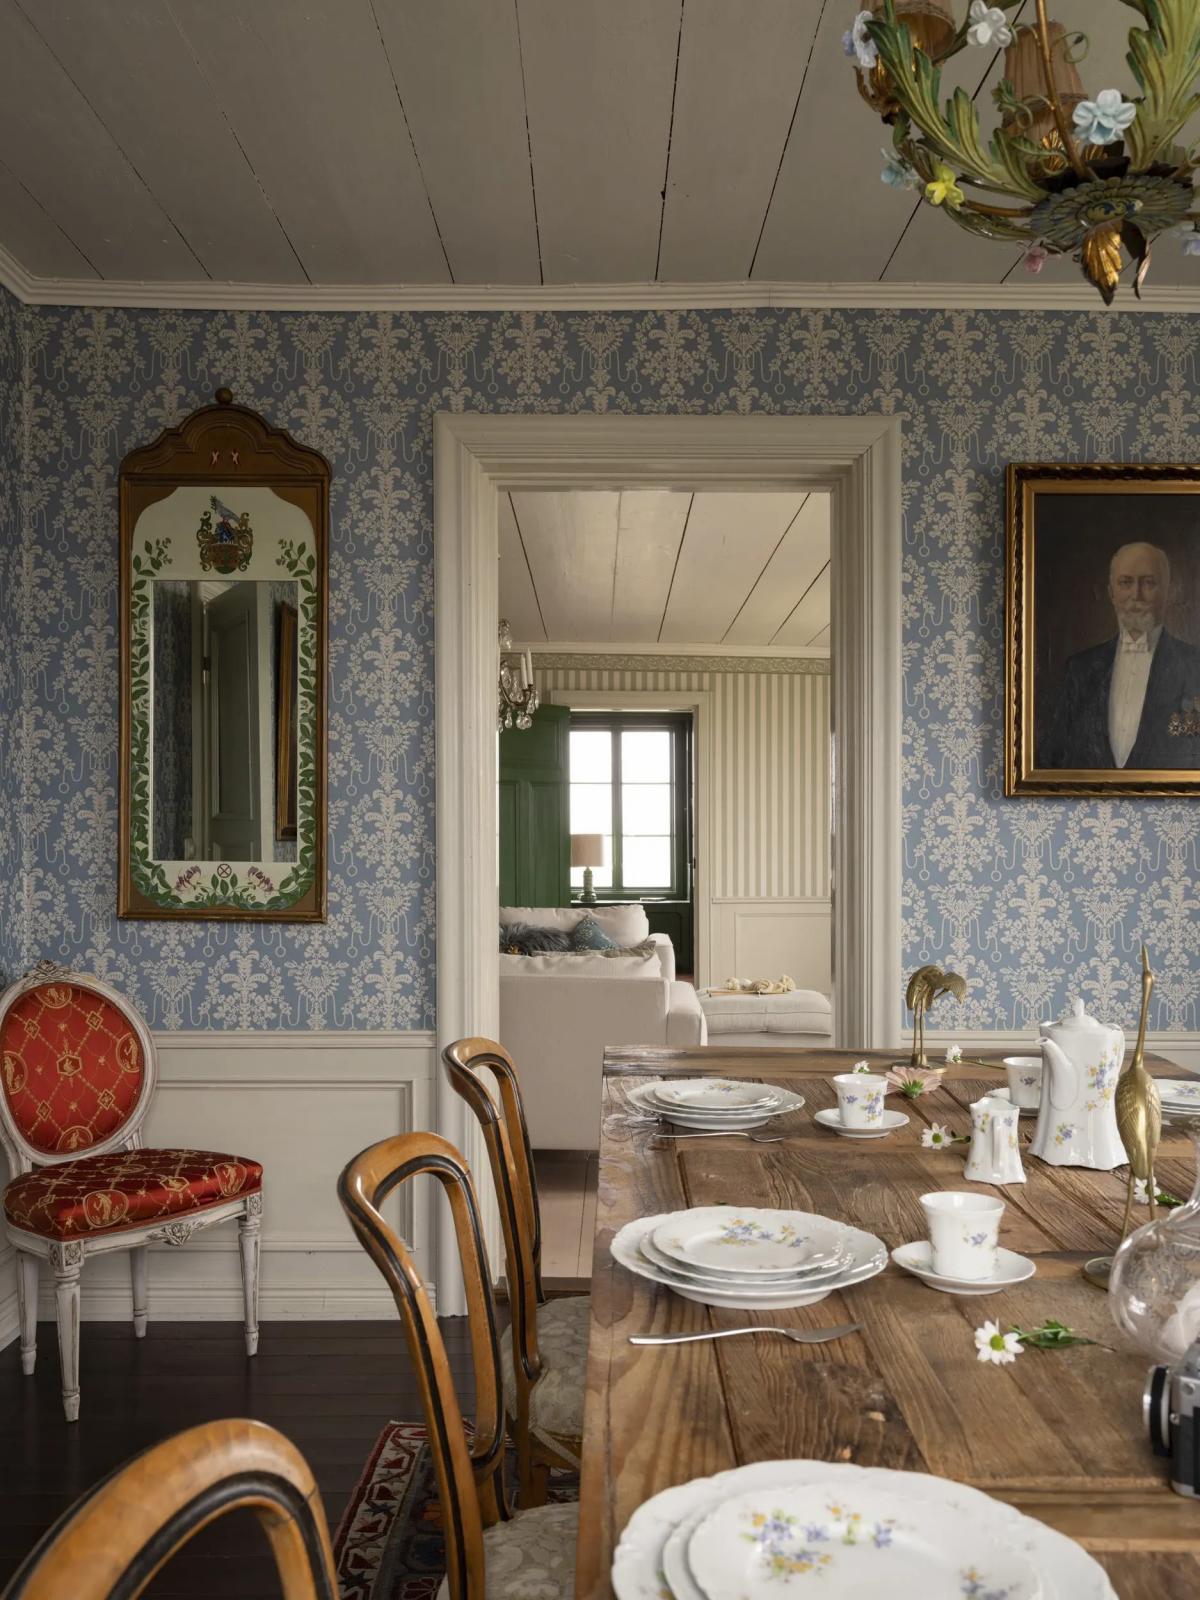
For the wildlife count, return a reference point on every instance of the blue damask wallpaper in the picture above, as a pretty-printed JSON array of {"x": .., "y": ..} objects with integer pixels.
[
  {"x": 10, "y": 795},
  {"x": 1030, "y": 899}
]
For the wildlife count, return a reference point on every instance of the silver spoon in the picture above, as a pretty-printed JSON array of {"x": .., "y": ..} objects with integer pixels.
[{"x": 798, "y": 1335}]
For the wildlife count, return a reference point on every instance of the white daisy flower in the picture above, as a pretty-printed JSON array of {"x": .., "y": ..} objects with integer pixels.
[
  {"x": 1140, "y": 1196},
  {"x": 954, "y": 1054},
  {"x": 861, "y": 1066},
  {"x": 989, "y": 25},
  {"x": 992, "y": 1345},
  {"x": 935, "y": 1136}
]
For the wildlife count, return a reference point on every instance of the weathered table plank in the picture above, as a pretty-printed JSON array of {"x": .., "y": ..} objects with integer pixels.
[{"x": 1057, "y": 1433}]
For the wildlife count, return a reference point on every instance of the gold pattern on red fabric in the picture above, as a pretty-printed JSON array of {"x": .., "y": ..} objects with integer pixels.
[
  {"x": 71, "y": 1067},
  {"x": 126, "y": 1189}
]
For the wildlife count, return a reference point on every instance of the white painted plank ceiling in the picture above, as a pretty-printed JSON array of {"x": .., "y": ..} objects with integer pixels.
[
  {"x": 438, "y": 142},
  {"x": 665, "y": 567}
]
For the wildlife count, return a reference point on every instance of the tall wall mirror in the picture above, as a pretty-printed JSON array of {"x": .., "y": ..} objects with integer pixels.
[{"x": 224, "y": 536}]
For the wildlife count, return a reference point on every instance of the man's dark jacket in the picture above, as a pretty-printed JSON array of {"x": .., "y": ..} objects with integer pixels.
[{"x": 1079, "y": 727}]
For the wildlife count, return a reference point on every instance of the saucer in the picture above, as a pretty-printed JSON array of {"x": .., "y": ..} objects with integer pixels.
[
  {"x": 832, "y": 1119},
  {"x": 1010, "y": 1269},
  {"x": 1022, "y": 1111}
]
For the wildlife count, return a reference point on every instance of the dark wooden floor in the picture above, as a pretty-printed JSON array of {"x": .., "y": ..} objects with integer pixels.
[{"x": 330, "y": 1386}]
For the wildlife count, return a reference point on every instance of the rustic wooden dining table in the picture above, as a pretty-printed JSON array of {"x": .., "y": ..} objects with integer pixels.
[{"x": 1058, "y": 1433}]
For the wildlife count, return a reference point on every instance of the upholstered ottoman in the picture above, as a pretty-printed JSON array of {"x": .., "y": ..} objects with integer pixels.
[{"x": 801, "y": 1018}]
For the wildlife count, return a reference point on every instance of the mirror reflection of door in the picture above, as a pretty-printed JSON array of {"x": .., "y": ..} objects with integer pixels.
[{"x": 219, "y": 658}]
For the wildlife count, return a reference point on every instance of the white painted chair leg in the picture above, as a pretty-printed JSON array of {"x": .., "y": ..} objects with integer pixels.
[
  {"x": 68, "y": 1260},
  {"x": 248, "y": 1245},
  {"x": 137, "y": 1278},
  {"x": 27, "y": 1298}
]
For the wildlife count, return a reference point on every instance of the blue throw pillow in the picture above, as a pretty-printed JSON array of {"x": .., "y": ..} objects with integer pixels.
[
  {"x": 589, "y": 935},
  {"x": 522, "y": 939}
]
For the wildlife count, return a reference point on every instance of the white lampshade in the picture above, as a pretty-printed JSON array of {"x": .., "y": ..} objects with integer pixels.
[{"x": 587, "y": 850}]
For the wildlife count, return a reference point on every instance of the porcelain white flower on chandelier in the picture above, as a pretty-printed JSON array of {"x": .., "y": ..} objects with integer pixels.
[
  {"x": 1104, "y": 119},
  {"x": 992, "y": 1345},
  {"x": 989, "y": 25},
  {"x": 858, "y": 43}
]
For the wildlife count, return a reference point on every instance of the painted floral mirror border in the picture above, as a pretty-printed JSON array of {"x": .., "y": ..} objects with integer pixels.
[{"x": 217, "y": 451}]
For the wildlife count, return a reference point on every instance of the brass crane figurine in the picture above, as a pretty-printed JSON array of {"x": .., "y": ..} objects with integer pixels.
[
  {"x": 1139, "y": 1109},
  {"x": 924, "y": 987}
]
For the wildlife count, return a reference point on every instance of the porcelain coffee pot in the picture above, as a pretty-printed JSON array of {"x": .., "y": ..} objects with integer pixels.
[{"x": 1077, "y": 1120}]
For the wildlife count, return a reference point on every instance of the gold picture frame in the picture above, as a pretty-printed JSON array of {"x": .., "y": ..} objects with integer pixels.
[{"x": 1102, "y": 684}]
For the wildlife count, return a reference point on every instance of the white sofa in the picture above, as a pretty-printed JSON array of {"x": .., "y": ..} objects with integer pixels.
[{"x": 557, "y": 1014}]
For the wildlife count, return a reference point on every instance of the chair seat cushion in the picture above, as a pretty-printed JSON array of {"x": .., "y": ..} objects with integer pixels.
[
  {"x": 532, "y": 1557},
  {"x": 126, "y": 1189},
  {"x": 556, "y": 1405}
]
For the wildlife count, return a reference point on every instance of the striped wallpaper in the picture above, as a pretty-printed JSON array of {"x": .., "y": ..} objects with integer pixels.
[{"x": 770, "y": 761}]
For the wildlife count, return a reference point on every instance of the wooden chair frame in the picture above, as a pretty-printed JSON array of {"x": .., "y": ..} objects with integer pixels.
[
  {"x": 506, "y": 1139},
  {"x": 67, "y": 1256},
  {"x": 113, "y": 1541},
  {"x": 470, "y": 1479}
]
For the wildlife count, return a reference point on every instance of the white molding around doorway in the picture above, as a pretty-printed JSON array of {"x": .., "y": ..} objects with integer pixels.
[
  {"x": 856, "y": 460},
  {"x": 699, "y": 703}
]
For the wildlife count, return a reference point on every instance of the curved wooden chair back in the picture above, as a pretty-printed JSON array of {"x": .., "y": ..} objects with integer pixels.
[
  {"x": 470, "y": 1479},
  {"x": 506, "y": 1138},
  {"x": 110, "y": 1544}
]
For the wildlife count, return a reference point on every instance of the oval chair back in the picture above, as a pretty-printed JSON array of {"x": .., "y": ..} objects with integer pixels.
[
  {"x": 506, "y": 1139},
  {"x": 470, "y": 1479},
  {"x": 110, "y": 1544}
]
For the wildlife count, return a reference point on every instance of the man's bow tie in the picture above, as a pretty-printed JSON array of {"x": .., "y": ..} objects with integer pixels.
[{"x": 1135, "y": 647}]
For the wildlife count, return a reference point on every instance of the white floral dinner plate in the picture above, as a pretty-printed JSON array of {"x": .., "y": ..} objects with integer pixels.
[
  {"x": 713, "y": 1094},
  {"x": 858, "y": 1545},
  {"x": 869, "y": 1257},
  {"x": 1179, "y": 1092},
  {"x": 728, "y": 1280},
  {"x": 750, "y": 1240},
  {"x": 638, "y": 1572},
  {"x": 832, "y": 1118},
  {"x": 1011, "y": 1268},
  {"x": 714, "y": 1121}
]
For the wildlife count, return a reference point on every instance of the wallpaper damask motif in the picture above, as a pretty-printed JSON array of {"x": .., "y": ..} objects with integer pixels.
[
  {"x": 10, "y": 476},
  {"x": 1031, "y": 899}
]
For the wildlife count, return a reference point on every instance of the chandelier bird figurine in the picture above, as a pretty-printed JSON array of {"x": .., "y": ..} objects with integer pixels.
[{"x": 1096, "y": 177}]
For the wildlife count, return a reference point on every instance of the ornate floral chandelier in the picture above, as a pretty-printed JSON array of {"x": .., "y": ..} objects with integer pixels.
[
  {"x": 1096, "y": 179},
  {"x": 517, "y": 697}
]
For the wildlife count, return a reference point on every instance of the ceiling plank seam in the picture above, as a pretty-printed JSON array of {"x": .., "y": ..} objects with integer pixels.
[
  {"x": 662, "y": 212},
  {"x": 537, "y": 599},
  {"x": 798, "y": 604},
  {"x": 537, "y": 231},
  {"x": 662, "y": 621},
  {"x": 52, "y": 219},
  {"x": 762, "y": 574},
  {"x": 787, "y": 139},
  {"x": 416, "y": 153}
]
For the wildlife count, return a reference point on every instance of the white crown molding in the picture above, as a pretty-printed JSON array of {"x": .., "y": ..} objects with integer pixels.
[
  {"x": 1025, "y": 295},
  {"x": 778, "y": 652}
]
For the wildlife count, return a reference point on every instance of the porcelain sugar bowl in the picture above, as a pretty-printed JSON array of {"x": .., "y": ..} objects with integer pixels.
[{"x": 1077, "y": 1120}]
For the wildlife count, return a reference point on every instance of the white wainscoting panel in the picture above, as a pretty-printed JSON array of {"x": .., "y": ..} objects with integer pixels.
[
  {"x": 764, "y": 938},
  {"x": 302, "y": 1104}
]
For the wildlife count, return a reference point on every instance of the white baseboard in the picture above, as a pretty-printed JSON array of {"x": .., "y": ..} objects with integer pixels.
[
  {"x": 303, "y": 1104},
  {"x": 1182, "y": 1046}
]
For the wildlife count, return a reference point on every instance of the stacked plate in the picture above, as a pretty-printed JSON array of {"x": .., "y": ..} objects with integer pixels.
[
  {"x": 748, "y": 1258},
  {"x": 1180, "y": 1096},
  {"x": 861, "y": 1532},
  {"x": 714, "y": 1104}
]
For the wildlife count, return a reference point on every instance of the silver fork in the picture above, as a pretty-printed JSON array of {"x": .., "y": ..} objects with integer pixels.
[
  {"x": 734, "y": 1133},
  {"x": 797, "y": 1335}
]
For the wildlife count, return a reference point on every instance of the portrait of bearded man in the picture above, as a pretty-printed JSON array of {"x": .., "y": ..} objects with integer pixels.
[{"x": 1115, "y": 704}]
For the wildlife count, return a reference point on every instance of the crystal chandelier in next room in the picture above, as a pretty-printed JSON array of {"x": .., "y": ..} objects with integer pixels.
[{"x": 1070, "y": 169}]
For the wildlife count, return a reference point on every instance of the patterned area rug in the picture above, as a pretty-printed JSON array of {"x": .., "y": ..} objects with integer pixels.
[{"x": 389, "y": 1543}]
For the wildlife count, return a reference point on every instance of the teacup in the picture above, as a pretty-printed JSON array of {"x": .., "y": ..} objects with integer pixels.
[
  {"x": 964, "y": 1232},
  {"x": 860, "y": 1098},
  {"x": 1024, "y": 1081}
]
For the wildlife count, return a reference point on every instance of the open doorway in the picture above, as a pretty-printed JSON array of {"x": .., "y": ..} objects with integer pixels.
[{"x": 856, "y": 462}]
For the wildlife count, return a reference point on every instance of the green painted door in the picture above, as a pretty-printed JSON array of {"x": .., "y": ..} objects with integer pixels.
[{"x": 535, "y": 820}]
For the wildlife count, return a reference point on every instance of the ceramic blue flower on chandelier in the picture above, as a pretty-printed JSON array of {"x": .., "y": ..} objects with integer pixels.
[
  {"x": 858, "y": 44},
  {"x": 1104, "y": 119},
  {"x": 897, "y": 173}
]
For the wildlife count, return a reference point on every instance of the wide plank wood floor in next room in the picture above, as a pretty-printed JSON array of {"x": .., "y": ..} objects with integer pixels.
[
  {"x": 331, "y": 1387},
  {"x": 566, "y": 1181}
]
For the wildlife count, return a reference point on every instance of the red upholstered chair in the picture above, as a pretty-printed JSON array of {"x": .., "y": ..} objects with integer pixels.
[{"x": 77, "y": 1074}]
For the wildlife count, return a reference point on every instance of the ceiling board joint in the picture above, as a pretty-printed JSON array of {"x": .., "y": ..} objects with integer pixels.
[
  {"x": 662, "y": 210},
  {"x": 766, "y": 564},
  {"x": 537, "y": 230},
  {"x": 662, "y": 622},
  {"x": 537, "y": 599},
  {"x": 787, "y": 139},
  {"x": 798, "y": 604}
]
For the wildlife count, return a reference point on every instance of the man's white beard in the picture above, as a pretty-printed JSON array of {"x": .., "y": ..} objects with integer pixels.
[{"x": 1138, "y": 619}]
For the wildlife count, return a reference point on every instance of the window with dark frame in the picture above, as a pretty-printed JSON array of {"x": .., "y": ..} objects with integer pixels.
[{"x": 631, "y": 783}]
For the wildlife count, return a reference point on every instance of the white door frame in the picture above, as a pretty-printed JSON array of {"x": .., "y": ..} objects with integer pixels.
[
  {"x": 856, "y": 460},
  {"x": 699, "y": 703}
]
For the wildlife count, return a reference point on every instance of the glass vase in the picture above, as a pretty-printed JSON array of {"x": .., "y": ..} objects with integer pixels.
[{"x": 1154, "y": 1285}]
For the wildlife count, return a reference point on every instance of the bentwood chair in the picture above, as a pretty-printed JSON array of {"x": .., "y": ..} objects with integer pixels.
[
  {"x": 545, "y": 1345},
  {"x": 490, "y": 1553},
  {"x": 77, "y": 1075},
  {"x": 110, "y": 1544}
]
